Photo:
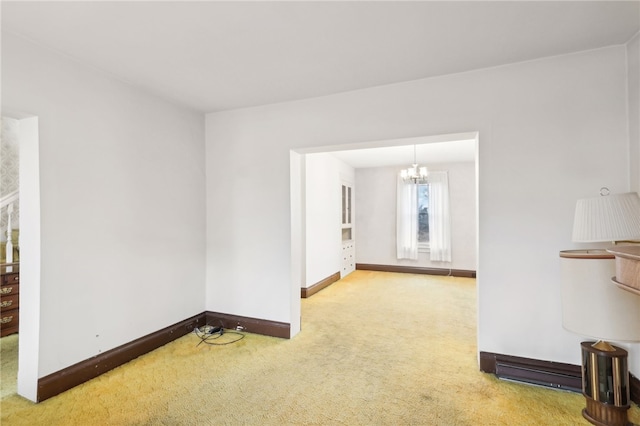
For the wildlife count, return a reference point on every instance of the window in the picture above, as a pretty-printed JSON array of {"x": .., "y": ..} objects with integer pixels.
[{"x": 423, "y": 217}]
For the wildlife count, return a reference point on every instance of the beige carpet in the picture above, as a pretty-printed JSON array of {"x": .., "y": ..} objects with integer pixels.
[{"x": 375, "y": 349}]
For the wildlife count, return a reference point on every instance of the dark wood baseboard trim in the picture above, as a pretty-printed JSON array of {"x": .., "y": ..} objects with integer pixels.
[
  {"x": 488, "y": 362},
  {"x": 72, "y": 376},
  {"x": 544, "y": 373},
  {"x": 416, "y": 270},
  {"x": 320, "y": 285},
  {"x": 250, "y": 325}
]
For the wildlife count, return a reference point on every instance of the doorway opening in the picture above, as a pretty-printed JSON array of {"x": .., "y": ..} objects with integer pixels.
[
  {"x": 28, "y": 311},
  {"x": 302, "y": 238}
]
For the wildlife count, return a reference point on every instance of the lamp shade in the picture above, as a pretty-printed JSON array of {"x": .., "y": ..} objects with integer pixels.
[
  {"x": 591, "y": 305},
  {"x": 614, "y": 217}
]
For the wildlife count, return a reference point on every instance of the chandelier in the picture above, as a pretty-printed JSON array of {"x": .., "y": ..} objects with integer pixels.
[{"x": 414, "y": 174}]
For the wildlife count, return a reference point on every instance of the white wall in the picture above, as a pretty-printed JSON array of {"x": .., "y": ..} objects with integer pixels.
[
  {"x": 633, "y": 84},
  {"x": 122, "y": 206},
  {"x": 324, "y": 176},
  {"x": 376, "y": 217},
  {"x": 30, "y": 250},
  {"x": 550, "y": 131}
]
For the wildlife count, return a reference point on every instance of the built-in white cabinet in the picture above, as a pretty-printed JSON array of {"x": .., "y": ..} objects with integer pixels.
[
  {"x": 348, "y": 258},
  {"x": 348, "y": 235}
]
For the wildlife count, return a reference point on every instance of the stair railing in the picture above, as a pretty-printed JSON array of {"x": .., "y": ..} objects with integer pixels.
[{"x": 8, "y": 201}]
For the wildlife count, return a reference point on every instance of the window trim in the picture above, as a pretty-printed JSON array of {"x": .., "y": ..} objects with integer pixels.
[{"x": 424, "y": 248}]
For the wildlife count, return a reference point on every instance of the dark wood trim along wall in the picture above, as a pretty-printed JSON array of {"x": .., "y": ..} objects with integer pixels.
[
  {"x": 72, "y": 376},
  {"x": 544, "y": 373},
  {"x": 416, "y": 270},
  {"x": 250, "y": 325},
  {"x": 320, "y": 285}
]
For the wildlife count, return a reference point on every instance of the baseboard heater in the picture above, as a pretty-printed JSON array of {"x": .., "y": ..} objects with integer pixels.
[
  {"x": 543, "y": 373},
  {"x": 535, "y": 372},
  {"x": 534, "y": 376}
]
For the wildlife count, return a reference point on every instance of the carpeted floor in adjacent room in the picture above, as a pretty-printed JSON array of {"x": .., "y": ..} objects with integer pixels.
[{"x": 375, "y": 349}]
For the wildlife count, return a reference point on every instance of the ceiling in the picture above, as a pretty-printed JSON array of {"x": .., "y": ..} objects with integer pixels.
[
  {"x": 426, "y": 152},
  {"x": 213, "y": 56}
]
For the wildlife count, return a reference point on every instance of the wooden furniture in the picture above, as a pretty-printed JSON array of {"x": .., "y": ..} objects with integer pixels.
[
  {"x": 9, "y": 298},
  {"x": 605, "y": 384},
  {"x": 627, "y": 268},
  {"x": 592, "y": 306}
]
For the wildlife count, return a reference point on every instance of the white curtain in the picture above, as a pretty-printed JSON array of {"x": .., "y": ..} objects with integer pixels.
[
  {"x": 439, "y": 217},
  {"x": 407, "y": 220}
]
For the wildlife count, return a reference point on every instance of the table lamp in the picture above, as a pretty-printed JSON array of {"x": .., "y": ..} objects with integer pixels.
[{"x": 592, "y": 306}]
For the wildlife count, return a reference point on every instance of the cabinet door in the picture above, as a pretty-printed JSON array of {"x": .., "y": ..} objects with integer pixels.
[
  {"x": 348, "y": 259},
  {"x": 346, "y": 204}
]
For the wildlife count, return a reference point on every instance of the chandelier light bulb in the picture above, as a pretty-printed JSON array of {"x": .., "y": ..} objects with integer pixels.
[{"x": 414, "y": 174}]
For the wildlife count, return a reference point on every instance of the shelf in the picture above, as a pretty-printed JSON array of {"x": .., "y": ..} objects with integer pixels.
[
  {"x": 625, "y": 287},
  {"x": 627, "y": 268}
]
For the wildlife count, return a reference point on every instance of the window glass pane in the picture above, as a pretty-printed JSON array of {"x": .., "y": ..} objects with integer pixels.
[
  {"x": 344, "y": 204},
  {"x": 423, "y": 213},
  {"x": 348, "y": 204}
]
